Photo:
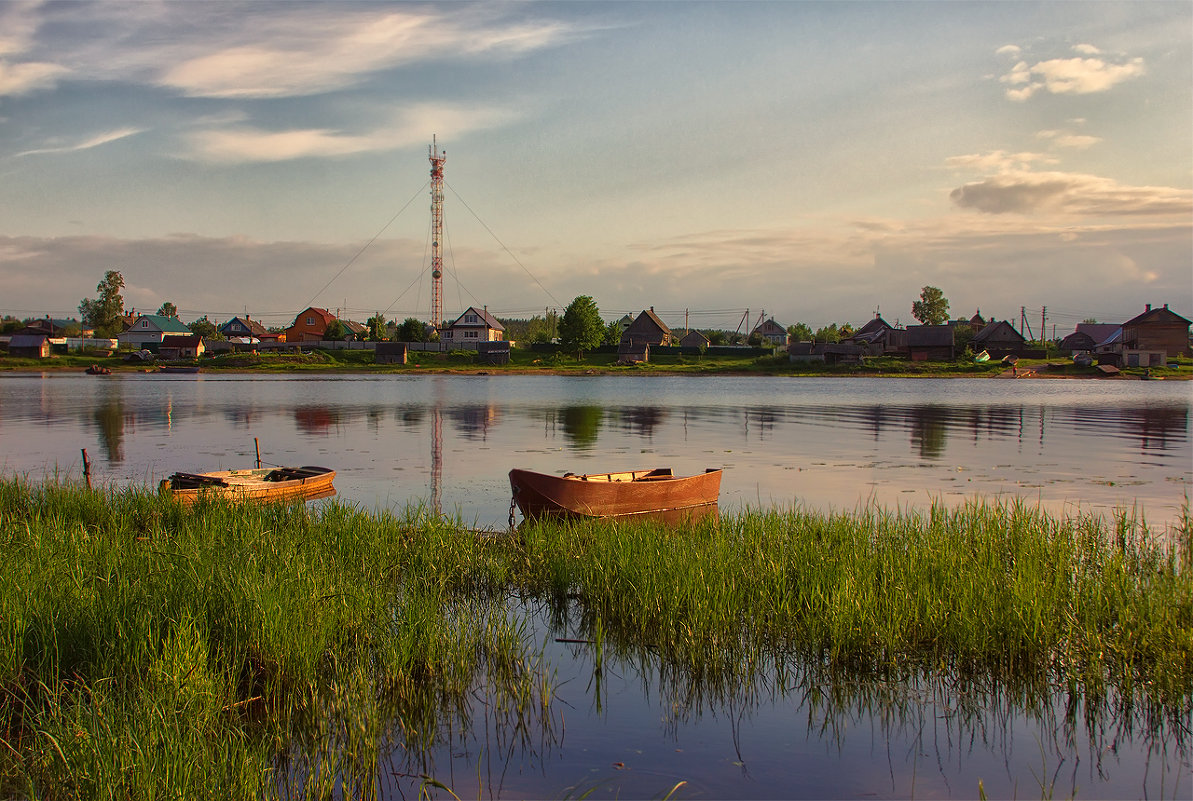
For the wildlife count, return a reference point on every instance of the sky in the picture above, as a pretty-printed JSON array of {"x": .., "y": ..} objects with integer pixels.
[{"x": 720, "y": 162}]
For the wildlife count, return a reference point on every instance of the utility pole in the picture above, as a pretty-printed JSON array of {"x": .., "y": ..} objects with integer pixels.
[{"x": 1043, "y": 317}]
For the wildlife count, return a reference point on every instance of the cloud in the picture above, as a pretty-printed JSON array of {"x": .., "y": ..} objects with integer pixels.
[
  {"x": 1009, "y": 50},
  {"x": 23, "y": 78},
  {"x": 998, "y": 161},
  {"x": 311, "y": 51},
  {"x": 1070, "y": 140},
  {"x": 246, "y": 144},
  {"x": 1069, "y": 76},
  {"x": 1069, "y": 193},
  {"x": 87, "y": 144}
]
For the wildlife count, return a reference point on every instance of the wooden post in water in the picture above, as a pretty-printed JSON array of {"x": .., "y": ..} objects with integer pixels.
[
  {"x": 257, "y": 445},
  {"x": 86, "y": 468}
]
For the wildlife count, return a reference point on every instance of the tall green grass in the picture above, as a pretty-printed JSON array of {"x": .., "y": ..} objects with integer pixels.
[{"x": 147, "y": 650}]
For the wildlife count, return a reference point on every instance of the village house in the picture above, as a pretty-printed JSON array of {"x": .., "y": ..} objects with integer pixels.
[
  {"x": 309, "y": 325},
  {"x": 473, "y": 326},
  {"x": 647, "y": 329},
  {"x": 246, "y": 328},
  {"x": 693, "y": 339},
  {"x": 930, "y": 343},
  {"x": 1088, "y": 337},
  {"x": 772, "y": 332},
  {"x": 878, "y": 337},
  {"x": 149, "y": 330},
  {"x": 33, "y": 346},
  {"x": 998, "y": 338},
  {"x": 1156, "y": 331},
  {"x": 177, "y": 346}
]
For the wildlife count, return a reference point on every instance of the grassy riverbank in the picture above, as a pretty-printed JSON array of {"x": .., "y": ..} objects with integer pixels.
[
  {"x": 528, "y": 362},
  {"x": 230, "y": 651}
]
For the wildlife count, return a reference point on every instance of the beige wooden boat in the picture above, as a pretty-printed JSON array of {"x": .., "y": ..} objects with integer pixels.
[{"x": 262, "y": 484}]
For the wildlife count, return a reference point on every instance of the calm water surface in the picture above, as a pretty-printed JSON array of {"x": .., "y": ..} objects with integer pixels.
[
  {"x": 630, "y": 730},
  {"x": 1070, "y": 446}
]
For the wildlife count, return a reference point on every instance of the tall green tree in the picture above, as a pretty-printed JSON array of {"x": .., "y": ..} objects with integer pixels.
[
  {"x": 800, "y": 332},
  {"x": 932, "y": 308},
  {"x": 377, "y": 327},
  {"x": 168, "y": 309},
  {"x": 412, "y": 329},
  {"x": 612, "y": 334},
  {"x": 581, "y": 327},
  {"x": 204, "y": 328},
  {"x": 103, "y": 313}
]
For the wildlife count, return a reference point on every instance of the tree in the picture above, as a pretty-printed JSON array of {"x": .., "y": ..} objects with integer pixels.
[
  {"x": 828, "y": 333},
  {"x": 932, "y": 308},
  {"x": 800, "y": 332},
  {"x": 612, "y": 334},
  {"x": 581, "y": 327},
  {"x": 204, "y": 328},
  {"x": 168, "y": 309},
  {"x": 377, "y": 327},
  {"x": 335, "y": 331},
  {"x": 412, "y": 329},
  {"x": 103, "y": 313}
]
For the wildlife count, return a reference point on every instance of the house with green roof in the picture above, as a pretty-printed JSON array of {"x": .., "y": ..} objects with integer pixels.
[{"x": 150, "y": 329}]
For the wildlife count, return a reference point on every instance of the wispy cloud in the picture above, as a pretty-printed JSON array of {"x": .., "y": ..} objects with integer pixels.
[
  {"x": 312, "y": 51},
  {"x": 1069, "y": 193},
  {"x": 998, "y": 161},
  {"x": 1068, "y": 139},
  {"x": 25, "y": 77},
  {"x": 244, "y": 144},
  {"x": 1069, "y": 76},
  {"x": 86, "y": 144}
]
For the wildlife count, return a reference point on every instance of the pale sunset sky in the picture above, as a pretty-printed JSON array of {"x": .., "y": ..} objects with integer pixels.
[{"x": 811, "y": 160}]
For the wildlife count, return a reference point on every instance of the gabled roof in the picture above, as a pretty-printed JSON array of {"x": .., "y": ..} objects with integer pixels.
[
  {"x": 27, "y": 340},
  {"x": 1098, "y": 332},
  {"x": 648, "y": 317},
  {"x": 315, "y": 311},
  {"x": 254, "y": 327},
  {"x": 486, "y": 318},
  {"x": 693, "y": 337},
  {"x": 162, "y": 323},
  {"x": 182, "y": 341},
  {"x": 998, "y": 330},
  {"x": 769, "y": 325},
  {"x": 875, "y": 326},
  {"x": 1161, "y": 315}
]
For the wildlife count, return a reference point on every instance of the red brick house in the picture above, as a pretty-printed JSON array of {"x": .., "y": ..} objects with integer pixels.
[{"x": 310, "y": 325}]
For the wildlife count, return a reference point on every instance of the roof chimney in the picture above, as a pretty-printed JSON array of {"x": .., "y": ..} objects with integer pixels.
[{"x": 1147, "y": 307}]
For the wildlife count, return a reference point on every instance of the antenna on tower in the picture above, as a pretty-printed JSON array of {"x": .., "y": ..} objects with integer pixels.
[{"x": 437, "y": 159}]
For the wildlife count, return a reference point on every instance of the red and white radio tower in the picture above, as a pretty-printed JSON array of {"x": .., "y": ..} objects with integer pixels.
[{"x": 437, "y": 159}]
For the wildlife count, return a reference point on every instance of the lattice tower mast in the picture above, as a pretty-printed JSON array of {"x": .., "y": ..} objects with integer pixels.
[{"x": 437, "y": 159}]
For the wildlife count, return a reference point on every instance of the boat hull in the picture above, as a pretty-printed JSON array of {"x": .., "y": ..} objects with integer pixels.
[
  {"x": 263, "y": 485},
  {"x": 653, "y": 494}
]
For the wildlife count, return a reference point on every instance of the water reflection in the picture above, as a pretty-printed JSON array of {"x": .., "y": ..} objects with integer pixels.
[
  {"x": 580, "y": 424},
  {"x": 109, "y": 417}
]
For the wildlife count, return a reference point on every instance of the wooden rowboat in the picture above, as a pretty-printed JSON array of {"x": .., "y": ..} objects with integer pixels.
[
  {"x": 263, "y": 484},
  {"x": 657, "y": 494}
]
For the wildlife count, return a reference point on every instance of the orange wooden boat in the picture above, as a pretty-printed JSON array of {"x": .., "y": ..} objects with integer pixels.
[
  {"x": 657, "y": 494},
  {"x": 263, "y": 484}
]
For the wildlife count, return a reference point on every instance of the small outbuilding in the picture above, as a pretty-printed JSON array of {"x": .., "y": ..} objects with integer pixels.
[{"x": 30, "y": 346}]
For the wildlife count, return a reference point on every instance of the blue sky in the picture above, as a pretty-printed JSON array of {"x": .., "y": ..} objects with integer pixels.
[{"x": 816, "y": 161}]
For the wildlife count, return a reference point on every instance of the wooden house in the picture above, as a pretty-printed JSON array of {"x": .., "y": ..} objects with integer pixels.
[
  {"x": 998, "y": 338},
  {"x": 32, "y": 346},
  {"x": 247, "y": 328},
  {"x": 930, "y": 343},
  {"x": 772, "y": 332},
  {"x": 1157, "y": 330},
  {"x": 647, "y": 329},
  {"x": 693, "y": 339},
  {"x": 877, "y": 336},
  {"x": 390, "y": 353},
  {"x": 180, "y": 346},
  {"x": 1089, "y": 336},
  {"x": 310, "y": 325},
  {"x": 473, "y": 326},
  {"x": 149, "y": 330}
]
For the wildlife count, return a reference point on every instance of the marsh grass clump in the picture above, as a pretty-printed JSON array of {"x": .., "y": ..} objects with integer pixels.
[
  {"x": 228, "y": 651},
  {"x": 237, "y": 650}
]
